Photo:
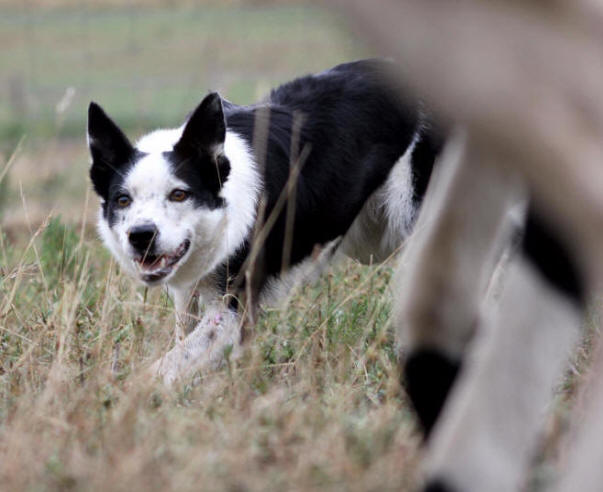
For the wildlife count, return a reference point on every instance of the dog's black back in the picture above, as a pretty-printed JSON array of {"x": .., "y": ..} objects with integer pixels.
[{"x": 354, "y": 129}]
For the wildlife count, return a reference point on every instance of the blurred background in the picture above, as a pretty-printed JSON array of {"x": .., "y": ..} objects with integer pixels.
[{"x": 148, "y": 63}]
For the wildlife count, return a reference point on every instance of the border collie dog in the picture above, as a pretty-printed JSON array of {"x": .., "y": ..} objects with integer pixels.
[{"x": 243, "y": 201}]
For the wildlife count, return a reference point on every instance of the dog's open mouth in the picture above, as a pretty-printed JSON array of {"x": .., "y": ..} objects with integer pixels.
[{"x": 156, "y": 267}]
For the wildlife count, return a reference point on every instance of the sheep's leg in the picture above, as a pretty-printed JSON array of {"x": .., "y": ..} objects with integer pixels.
[{"x": 444, "y": 274}]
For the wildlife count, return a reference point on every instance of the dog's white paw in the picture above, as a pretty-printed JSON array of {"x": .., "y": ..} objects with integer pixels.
[
  {"x": 216, "y": 337},
  {"x": 165, "y": 371}
]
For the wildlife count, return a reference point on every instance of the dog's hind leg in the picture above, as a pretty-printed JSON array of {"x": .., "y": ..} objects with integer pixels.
[
  {"x": 486, "y": 437},
  {"x": 443, "y": 275}
]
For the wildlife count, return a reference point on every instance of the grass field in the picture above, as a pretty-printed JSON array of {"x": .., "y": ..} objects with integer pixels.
[{"x": 315, "y": 402}]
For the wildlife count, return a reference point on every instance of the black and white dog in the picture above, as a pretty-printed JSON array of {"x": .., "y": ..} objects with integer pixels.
[{"x": 331, "y": 161}]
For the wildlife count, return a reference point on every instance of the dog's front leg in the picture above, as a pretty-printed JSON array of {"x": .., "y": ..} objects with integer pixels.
[
  {"x": 216, "y": 336},
  {"x": 186, "y": 306}
]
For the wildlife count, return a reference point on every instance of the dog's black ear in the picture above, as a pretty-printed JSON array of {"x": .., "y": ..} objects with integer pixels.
[
  {"x": 202, "y": 144},
  {"x": 109, "y": 148},
  {"x": 205, "y": 130}
]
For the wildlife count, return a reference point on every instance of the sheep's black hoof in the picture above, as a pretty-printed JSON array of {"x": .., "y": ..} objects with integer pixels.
[
  {"x": 429, "y": 375},
  {"x": 438, "y": 486}
]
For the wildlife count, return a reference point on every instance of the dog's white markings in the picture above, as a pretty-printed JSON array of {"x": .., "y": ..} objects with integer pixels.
[
  {"x": 162, "y": 140},
  {"x": 396, "y": 200},
  {"x": 149, "y": 183},
  {"x": 387, "y": 217},
  {"x": 279, "y": 289},
  {"x": 241, "y": 190}
]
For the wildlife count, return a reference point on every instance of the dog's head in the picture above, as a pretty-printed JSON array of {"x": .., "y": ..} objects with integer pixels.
[{"x": 163, "y": 200}]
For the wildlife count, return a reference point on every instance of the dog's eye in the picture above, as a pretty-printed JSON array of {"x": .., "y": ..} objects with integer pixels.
[
  {"x": 123, "y": 201},
  {"x": 178, "y": 195}
]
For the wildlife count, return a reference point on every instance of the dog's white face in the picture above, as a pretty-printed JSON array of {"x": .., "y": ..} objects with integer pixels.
[{"x": 172, "y": 209}]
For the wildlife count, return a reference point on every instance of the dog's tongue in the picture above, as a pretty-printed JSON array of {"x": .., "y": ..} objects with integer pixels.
[
  {"x": 156, "y": 262},
  {"x": 162, "y": 263},
  {"x": 151, "y": 262}
]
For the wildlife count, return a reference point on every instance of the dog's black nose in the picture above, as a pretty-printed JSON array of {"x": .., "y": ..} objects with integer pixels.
[{"x": 142, "y": 237}]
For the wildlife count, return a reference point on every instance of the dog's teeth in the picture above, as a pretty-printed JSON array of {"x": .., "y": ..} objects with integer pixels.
[{"x": 163, "y": 262}]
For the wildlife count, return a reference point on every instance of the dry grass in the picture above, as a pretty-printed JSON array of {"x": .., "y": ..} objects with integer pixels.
[
  {"x": 49, "y": 179},
  {"x": 314, "y": 403}
]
